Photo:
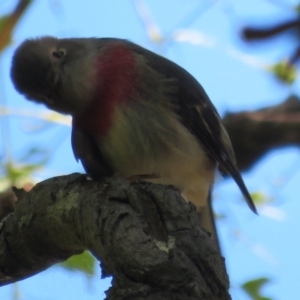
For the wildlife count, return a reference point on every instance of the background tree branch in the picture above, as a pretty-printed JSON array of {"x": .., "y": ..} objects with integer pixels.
[
  {"x": 254, "y": 133},
  {"x": 145, "y": 235}
]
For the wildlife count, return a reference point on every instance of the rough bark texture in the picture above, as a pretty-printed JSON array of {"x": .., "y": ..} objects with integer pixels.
[
  {"x": 254, "y": 133},
  {"x": 146, "y": 236}
]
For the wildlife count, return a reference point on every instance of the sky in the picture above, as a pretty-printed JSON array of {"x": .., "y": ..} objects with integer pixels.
[{"x": 203, "y": 37}]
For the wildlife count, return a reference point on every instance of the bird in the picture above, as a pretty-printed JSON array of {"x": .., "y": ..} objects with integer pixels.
[{"x": 134, "y": 113}]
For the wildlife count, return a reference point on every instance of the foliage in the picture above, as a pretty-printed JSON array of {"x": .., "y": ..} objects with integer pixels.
[
  {"x": 84, "y": 263},
  {"x": 284, "y": 72},
  {"x": 8, "y": 23},
  {"x": 253, "y": 288}
]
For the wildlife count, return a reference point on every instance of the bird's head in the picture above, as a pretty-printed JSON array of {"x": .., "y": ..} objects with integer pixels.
[{"x": 56, "y": 72}]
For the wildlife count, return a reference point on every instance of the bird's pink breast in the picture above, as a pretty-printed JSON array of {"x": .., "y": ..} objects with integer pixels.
[{"x": 115, "y": 81}]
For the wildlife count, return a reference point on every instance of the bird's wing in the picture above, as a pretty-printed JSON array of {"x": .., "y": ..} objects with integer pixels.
[
  {"x": 85, "y": 150},
  {"x": 199, "y": 115},
  {"x": 206, "y": 125}
]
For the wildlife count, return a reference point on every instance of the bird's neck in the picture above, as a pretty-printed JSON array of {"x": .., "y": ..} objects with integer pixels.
[{"x": 116, "y": 78}]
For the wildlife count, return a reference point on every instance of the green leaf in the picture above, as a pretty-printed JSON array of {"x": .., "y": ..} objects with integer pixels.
[
  {"x": 253, "y": 288},
  {"x": 84, "y": 262},
  {"x": 17, "y": 173},
  {"x": 284, "y": 72},
  {"x": 260, "y": 198},
  {"x": 3, "y": 21},
  {"x": 297, "y": 8}
]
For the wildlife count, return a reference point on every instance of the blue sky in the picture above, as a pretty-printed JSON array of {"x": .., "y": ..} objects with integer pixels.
[{"x": 201, "y": 36}]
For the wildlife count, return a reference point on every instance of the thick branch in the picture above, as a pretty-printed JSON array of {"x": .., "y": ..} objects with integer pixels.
[
  {"x": 254, "y": 133},
  {"x": 145, "y": 235}
]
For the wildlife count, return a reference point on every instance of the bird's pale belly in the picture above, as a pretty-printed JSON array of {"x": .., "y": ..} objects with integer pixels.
[{"x": 168, "y": 151}]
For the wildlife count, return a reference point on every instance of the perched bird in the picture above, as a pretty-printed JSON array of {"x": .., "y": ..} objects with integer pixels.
[{"x": 135, "y": 113}]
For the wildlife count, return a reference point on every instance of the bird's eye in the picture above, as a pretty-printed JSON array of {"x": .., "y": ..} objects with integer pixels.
[{"x": 59, "y": 53}]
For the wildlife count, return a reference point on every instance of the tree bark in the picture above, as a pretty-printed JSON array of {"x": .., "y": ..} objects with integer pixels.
[{"x": 146, "y": 236}]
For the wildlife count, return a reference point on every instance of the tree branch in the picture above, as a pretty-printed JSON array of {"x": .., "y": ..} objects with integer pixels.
[
  {"x": 146, "y": 236},
  {"x": 254, "y": 133}
]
